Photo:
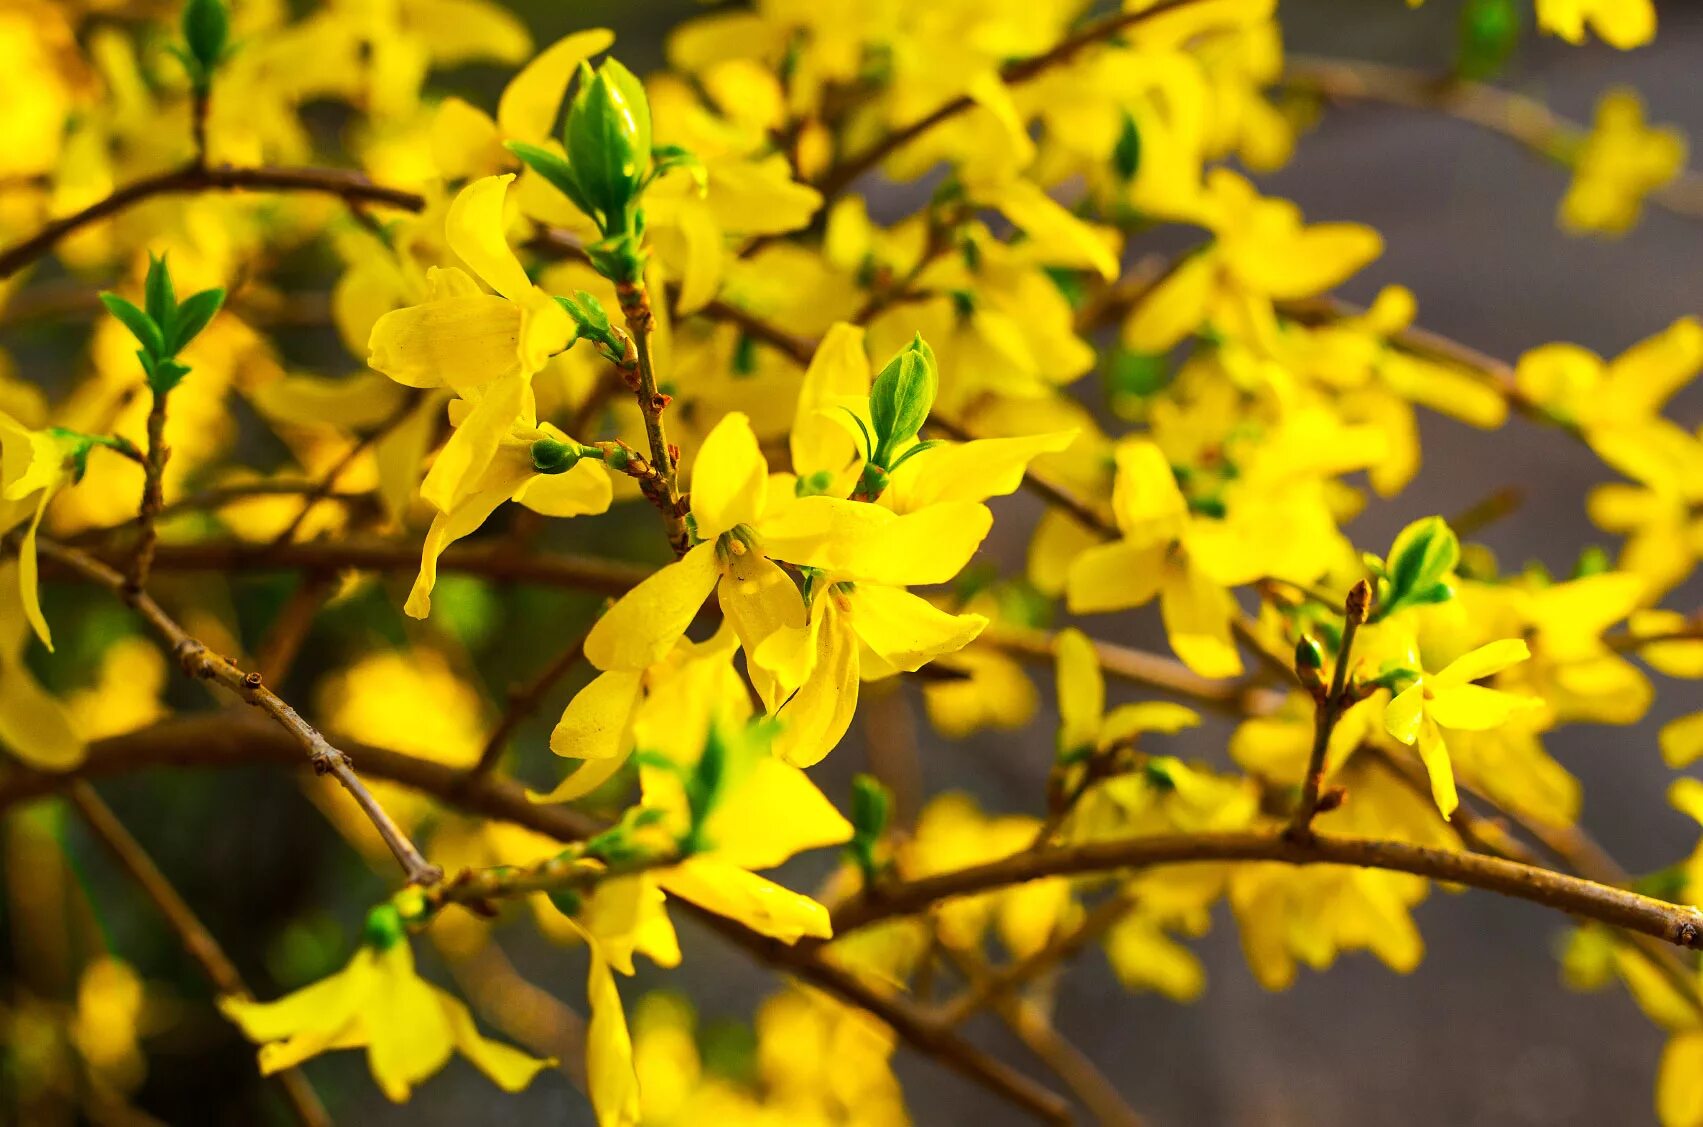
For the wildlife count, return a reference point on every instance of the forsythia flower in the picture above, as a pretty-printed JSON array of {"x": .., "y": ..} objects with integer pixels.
[
  {"x": 1620, "y": 163},
  {"x": 34, "y": 465},
  {"x": 408, "y": 1026},
  {"x": 1621, "y": 23},
  {"x": 1448, "y": 699},
  {"x": 35, "y": 726}
]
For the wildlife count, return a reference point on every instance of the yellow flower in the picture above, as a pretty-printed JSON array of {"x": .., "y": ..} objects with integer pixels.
[
  {"x": 511, "y": 474},
  {"x": 1168, "y": 553},
  {"x": 34, "y": 465},
  {"x": 1084, "y": 723},
  {"x": 743, "y": 528},
  {"x": 1261, "y": 251},
  {"x": 462, "y": 337},
  {"x": 1620, "y": 23},
  {"x": 1621, "y": 162},
  {"x": 408, "y": 1026},
  {"x": 1662, "y": 515},
  {"x": 1448, "y": 699}
]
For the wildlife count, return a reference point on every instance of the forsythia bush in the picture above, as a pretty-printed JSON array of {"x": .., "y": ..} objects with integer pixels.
[{"x": 668, "y": 298}]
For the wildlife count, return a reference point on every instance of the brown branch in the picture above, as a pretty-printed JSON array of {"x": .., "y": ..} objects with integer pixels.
[
  {"x": 1069, "y": 1063},
  {"x": 202, "y": 664},
  {"x": 660, "y": 487},
  {"x": 153, "y": 499},
  {"x": 351, "y": 187},
  {"x": 1526, "y": 120},
  {"x": 1328, "y": 708},
  {"x": 192, "y": 934},
  {"x": 1672, "y": 923},
  {"x": 216, "y": 740},
  {"x": 841, "y": 175}
]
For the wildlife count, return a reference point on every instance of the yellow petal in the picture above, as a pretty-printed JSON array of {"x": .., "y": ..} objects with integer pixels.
[
  {"x": 1682, "y": 740},
  {"x": 1060, "y": 237},
  {"x": 1404, "y": 713},
  {"x": 1435, "y": 755},
  {"x": 445, "y": 530},
  {"x": 581, "y": 491},
  {"x": 644, "y": 624},
  {"x": 758, "y": 598},
  {"x": 465, "y": 341},
  {"x": 1482, "y": 662},
  {"x": 1114, "y": 576},
  {"x": 838, "y": 371},
  {"x": 773, "y": 813},
  {"x": 408, "y": 1033},
  {"x": 609, "y": 1073},
  {"x": 1129, "y": 720},
  {"x": 931, "y": 545},
  {"x": 506, "y": 1066},
  {"x": 906, "y": 631},
  {"x": 971, "y": 471},
  {"x": 730, "y": 478},
  {"x": 818, "y": 531},
  {"x": 759, "y": 904},
  {"x": 1081, "y": 690},
  {"x": 816, "y": 716},
  {"x": 1174, "y": 308},
  {"x": 464, "y": 458},
  {"x": 1197, "y": 614},
  {"x": 324, "y": 1005},
  {"x": 1145, "y": 497},
  {"x": 595, "y": 724},
  {"x": 464, "y": 140},
  {"x": 35, "y": 727},
  {"x": 1473, "y": 708},
  {"x": 530, "y": 102},
  {"x": 1679, "y": 1082},
  {"x": 360, "y": 401},
  {"x": 475, "y": 228},
  {"x": 29, "y": 579}
]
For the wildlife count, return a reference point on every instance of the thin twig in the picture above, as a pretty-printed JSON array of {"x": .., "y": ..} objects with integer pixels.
[
  {"x": 523, "y": 702},
  {"x": 841, "y": 175},
  {"x": 661, "y": 488},
  {"x": 1328, "y": 709},
  {"x": 201, "y": 663},
  {"x": 153, "y": 498},
  {"x": 192, "y": 934}
]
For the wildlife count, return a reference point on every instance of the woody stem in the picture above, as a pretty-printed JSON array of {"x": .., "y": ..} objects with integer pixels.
[{"x": 661, "y": 488}]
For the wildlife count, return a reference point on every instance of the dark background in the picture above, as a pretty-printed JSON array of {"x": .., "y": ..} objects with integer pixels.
[{"x": 1483, "y": 1032}]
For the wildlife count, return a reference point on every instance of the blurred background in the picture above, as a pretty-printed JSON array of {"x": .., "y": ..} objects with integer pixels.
[{"x": 1483, "y": 1032}]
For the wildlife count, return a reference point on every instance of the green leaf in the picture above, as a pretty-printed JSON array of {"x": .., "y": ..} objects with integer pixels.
[
  {"x": 192, "y": 316},
  {"x": 667, "y": 158},
  {"x": 141, "y": 326},
  {"x": 553, "y": 168},
  {"x": 157, "y": 293},
  {"x": 1422, "y": 557},
  {"x": 165, "y": 375}
]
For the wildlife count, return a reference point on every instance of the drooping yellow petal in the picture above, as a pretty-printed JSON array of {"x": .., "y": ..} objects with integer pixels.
[
  {"x": 1679, "y": 1082},
  {"x": 819, "y": 531},
  {"x": 730, "y": 479},
  {"x": 1081, "y": 690},
  {"x": 1197, "y": 614},
  {"x": 609, "y": 1073},
  {"x": 816, "y": 716},
  {"x": 1435, "y": 755},
  {"x": 759, "y": 904},
  {"x": 29, "y": 579},
  {"x": 506, "y": 1066},
  {"x": 582, "y": 491},
  {"x": 644, "y": 624},
  {"x": 408, "y": 1034},
  {"x": 35, "y": 726},
  {"x": 1060, "y": 237},
  {"x": 527, "y": 110},
  {"x": 1145, "y": 497},
  {"x": 464, "y": 458},
  {"x": 475, "y": 228},
  {"x": 595, "y": 724},
  {"x": 907, "y": 631},
  {"x": 326, "y": 1005}
]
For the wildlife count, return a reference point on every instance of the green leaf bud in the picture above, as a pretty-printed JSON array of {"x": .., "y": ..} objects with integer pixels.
[{"x": 902, "y": 396}]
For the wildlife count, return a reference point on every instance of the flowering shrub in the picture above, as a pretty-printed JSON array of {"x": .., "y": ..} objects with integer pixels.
[{"x": 645, "y": 341}]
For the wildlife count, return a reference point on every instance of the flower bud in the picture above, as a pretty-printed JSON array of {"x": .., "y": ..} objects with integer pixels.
[
  {"x": 206, "y": 33},
  {"x": 1309, "y": 660},
  {"x": 871, "y": 807},
  {"x": 902, "y": 396},
  {"x": 552, "y": 457},
  {"x": 607, "y": 136},
  {"x": 384, "y": 928}
]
